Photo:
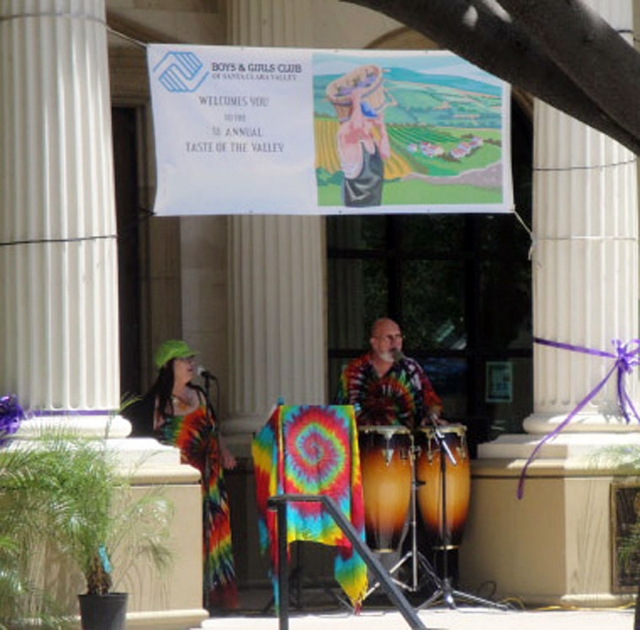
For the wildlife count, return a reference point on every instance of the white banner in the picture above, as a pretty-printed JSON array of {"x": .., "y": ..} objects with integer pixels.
[{"x": 294, "y": 131}]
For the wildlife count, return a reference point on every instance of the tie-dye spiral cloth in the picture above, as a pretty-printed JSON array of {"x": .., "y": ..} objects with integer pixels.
[{"x": 313, "y": 450}]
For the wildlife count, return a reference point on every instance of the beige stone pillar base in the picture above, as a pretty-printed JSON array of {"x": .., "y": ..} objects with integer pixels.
[
  {"x": 584, "y": 446},
  {"x": 551, "y": 548},
  {"x": 173, "y": 601}
]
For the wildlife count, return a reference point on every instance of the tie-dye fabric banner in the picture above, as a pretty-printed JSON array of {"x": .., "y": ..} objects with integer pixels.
[
  {"x": 313, "y": 450},
  {"x": 297, "y": 131}
]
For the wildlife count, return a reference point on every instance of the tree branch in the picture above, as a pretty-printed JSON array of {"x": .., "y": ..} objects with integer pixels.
[
  {"x": 590, "y": 52},
  {"x": 479, "y": 31}
]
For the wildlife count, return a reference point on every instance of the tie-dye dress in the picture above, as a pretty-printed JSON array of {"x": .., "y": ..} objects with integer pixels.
[{"x": 195, "y": 434}]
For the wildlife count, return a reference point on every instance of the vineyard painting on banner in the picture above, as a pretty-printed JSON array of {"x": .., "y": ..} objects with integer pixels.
[{"x": 434, "y": 126}]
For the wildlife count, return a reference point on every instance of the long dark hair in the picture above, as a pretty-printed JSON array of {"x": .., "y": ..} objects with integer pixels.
[
  {"x": 163, "y": 387},
  {"x": 142, "y": 411}
]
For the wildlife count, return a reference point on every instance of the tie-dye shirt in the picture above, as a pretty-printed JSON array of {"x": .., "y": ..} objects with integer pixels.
[{"x": 402, "y": 396}]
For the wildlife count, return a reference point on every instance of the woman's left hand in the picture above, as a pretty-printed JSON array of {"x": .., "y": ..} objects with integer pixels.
[{"x": 228, "y": 460}]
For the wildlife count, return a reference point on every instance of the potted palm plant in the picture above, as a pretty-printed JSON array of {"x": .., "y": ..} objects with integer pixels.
[{"x": 68, "y": 493}]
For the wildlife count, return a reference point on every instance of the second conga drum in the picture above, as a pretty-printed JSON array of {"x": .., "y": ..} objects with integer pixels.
[
  {"x": 457, "y": 482},
  {"x": 385, "y": 461}
]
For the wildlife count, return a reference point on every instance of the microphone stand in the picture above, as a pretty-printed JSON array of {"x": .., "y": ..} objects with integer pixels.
[
  {"x": 445, "y": 590},
  {"x": 206, "y": 479},
  {"x": 207, "y": 395},
  {"x": 421, "y": 570}
]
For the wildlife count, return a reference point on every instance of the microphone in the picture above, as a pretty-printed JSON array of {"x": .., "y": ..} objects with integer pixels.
[
  {"x": 204, "y": 373},
  {"x": 397, "y": 355}
]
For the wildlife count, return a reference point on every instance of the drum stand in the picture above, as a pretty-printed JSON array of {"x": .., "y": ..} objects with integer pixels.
[
  {"x": 445, "y": 593},
  {"x": 418, "y": 561}
]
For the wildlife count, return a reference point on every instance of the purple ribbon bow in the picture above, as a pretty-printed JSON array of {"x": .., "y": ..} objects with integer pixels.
[
  {"x": 11, "y": 414},
  {"x": 626, "y": 358}
]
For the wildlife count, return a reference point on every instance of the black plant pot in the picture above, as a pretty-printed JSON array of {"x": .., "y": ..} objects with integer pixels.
[{"x": 103, "y": 612}]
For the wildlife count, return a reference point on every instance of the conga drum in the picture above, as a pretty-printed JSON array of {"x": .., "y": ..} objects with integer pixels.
[
  {"x": 385, "y": 461},
  {"x": 457, "y": 482}
]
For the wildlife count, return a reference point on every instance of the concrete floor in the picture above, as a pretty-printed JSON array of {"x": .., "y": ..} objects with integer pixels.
[
  {"x": 460, "y": 619},
  {"x": 323, "y": 609}
]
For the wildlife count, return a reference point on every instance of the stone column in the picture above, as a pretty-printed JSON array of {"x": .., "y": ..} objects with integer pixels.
[
  {"x": 58, "y": 253},
  {"x": 585, "y": 277},
  {"x": 556, "y": 544},
  {"x": 585, "y": 264},
  {"x": 276, "y": 288},
  {"x": 585, "y": 271}
]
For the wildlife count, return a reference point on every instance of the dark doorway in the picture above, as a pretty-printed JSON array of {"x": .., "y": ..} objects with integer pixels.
[{"x": 127, "y": 210}]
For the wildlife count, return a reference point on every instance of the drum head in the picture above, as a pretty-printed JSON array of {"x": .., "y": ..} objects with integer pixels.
[
  {"x": 384, "y": 429},
  {"x": 446, "y": 429}
]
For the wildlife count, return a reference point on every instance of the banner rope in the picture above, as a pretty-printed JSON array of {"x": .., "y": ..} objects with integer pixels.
[
  {"x": 128, "y": 38},
  {"x": 41, "y": 241},
  {"x": 586, "y": 167}
]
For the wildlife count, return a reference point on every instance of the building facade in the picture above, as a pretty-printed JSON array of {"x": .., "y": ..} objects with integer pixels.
[{"x": 93, "y": 282}]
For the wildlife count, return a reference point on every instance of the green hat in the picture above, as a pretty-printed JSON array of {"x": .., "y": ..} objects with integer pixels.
[{"x": 173, "y": 349}]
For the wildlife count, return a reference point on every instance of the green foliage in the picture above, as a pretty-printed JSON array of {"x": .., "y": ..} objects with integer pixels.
[
  {"x": 20, "y": 600},
  {"x": 629, "y": 550},
  {"x": 66, "y": 493},
  {"x": 625, "y": 459}
]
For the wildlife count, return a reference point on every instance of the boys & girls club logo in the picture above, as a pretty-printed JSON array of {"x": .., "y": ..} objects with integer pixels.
[{"x": 180, "y": 72}]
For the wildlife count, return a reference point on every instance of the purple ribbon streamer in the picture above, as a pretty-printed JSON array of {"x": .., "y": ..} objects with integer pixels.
[
  {"x": 48, "y": 413},
  {"x": 11, "y": 414},
  {"x": 626, "y": 358}
]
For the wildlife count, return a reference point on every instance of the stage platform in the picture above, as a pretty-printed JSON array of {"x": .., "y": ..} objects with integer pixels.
[{"x": 317, "y": 613}]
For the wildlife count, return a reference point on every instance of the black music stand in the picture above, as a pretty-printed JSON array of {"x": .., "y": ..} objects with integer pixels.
[{"x": 445, "y": 593}]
